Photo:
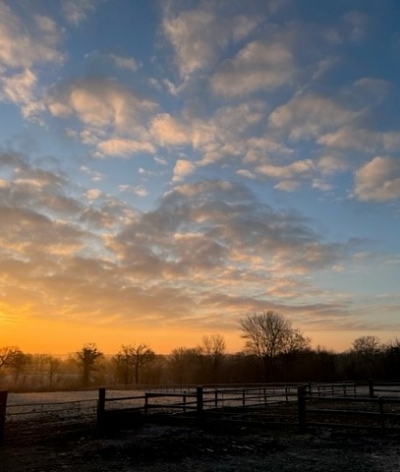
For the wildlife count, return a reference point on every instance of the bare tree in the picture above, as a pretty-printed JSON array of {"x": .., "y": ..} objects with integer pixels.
[
  {"x": 9, "y": 355},
  {"x": 19, "y": 365},
  {"x": 213, "y": 350},
  {"x": 367, "y": 352},
  {"x": 131, "y": 360},
  {"x": 184, "y": 364},
  {"x": 366, "y": 345},
  {"x": 269, "y": 335},
  {"x": 213, "y": 345},
  {"x": 14, "y": 360},
  {"x": 87, "y": 359},
  {"x": 52, "y": 365}
]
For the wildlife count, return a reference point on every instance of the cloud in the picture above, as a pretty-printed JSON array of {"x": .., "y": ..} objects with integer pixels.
[
  {"x": 287, "y": 185},
  {"x": 25, "y": 44},
  {"x": 368, "y": 91},
  {"x": 222, "y": 135},
  {"x": 137, "y": 190},
  {"x": 360, "y": 139},
  {"x": 358, "y": 23},
  {"x": 124, "y": 62},
  {"x": 321, "y": 185},
  {"x": 222, "y": 213},
  {"x": 98, "y": 60},
  {"x": 123, "y": 147},
  {"x": 198, "y": 35},
  {"x": 93, "y": 194},
  {"x": 170, "y": 131},
  {"x": 309, "y": 115},
  {"x": 294, "y": 169},
  {"x": 76, "y": 11},
  {"x": 182, "y": 169},
  {"x": 259, "y": 65},
  {"x": 332, "y": 164},
  {"x": 20, "y": 89},
  {"x": 91, "y": 254},
  {"x": 113, "y": 117},
  {"x": 378, "y": 180},
  {"x": 99, "y": 103}
]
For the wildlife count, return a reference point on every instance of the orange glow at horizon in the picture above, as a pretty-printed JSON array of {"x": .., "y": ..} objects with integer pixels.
[{"x": 60, "y": 337}]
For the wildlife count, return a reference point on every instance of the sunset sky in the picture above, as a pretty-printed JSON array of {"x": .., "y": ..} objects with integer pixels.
[{"x": 168, "y": 167}]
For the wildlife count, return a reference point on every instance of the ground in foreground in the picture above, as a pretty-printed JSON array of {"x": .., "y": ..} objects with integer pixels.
[{"x": 155, "y": 448}]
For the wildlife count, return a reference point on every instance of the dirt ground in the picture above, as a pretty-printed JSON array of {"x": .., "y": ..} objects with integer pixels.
[{"x": 155, "y": 448}]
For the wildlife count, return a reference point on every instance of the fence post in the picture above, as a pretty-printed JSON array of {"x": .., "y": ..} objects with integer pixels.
[
  {"x": 286, "y": 394},
  {"x": 101, "y": 407},
  {"x": 244, "y": 397},
  {"x": 184, "y": 401},
  {"x": 199, "y": 402},
  {"x": 216, "y": 398},
  {"x": 371, "y": 388},
  {"x": 382, "y": 415},
  {"x": 3, "y": 408},
  {"x": 301, "y": 402}
]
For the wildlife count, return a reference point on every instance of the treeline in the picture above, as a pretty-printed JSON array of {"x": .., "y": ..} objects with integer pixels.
[{"x": 274, "y": 351}]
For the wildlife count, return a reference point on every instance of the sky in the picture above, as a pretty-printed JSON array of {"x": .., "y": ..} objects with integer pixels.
[{"x": 169, "y": 167}]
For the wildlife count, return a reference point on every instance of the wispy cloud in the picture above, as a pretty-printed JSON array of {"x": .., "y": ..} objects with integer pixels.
[
  {"x": 77, "y": 11},
  {"x": 198, "y": 35},
  {"x": 378, "y": 180},
  {"x": 259, "y": 65},
  {"x": 25, "y": 45}
]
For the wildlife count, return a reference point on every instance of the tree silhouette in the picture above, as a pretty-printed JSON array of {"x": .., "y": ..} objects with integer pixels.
[
  {"x": 184, "y": 364},
  {"x": 368, "y": 354},
  {"x": 14, "y": 360},
  {"x": 269, "y": 336},
  {"x": 130, "y": 361},
  {"x": 366, "y": 345},
  {"x": 212, "y": 349},
  {"x": 9, "y": 355},
  {"x": 87, "y": 358}
]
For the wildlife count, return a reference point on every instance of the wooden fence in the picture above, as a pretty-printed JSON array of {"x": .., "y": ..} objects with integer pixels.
[
  {"x": 369, "y": 405},
  {"x": 193, "y": 403},
  {"x": 379, "y": 409},
  {"x": 35, "y": 422}
]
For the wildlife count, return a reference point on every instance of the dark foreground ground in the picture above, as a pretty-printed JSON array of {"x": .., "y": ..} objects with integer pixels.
[{"x": 155, "y": 448}]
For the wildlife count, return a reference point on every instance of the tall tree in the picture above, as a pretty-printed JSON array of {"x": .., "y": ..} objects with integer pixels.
[
  {"x": 12, "y": 358},
  {"x": 366, "y": 345},
  {"x": 9, "y": 355},
  {"x": 131, "y": 360},
  {"x": 87, "y": 359},
  {"x": 213, "y": 350},
  {"x": 269, "y": 335},
  {"x": 367, "y": 351},
  {"x": 52, "y": 365},
  {"x": 184, "y": 365}
]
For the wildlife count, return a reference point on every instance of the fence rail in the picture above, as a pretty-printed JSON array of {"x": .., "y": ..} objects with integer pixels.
[
  {"x": 384, "y": 411},
  {"x": 369, "y": 405}
]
